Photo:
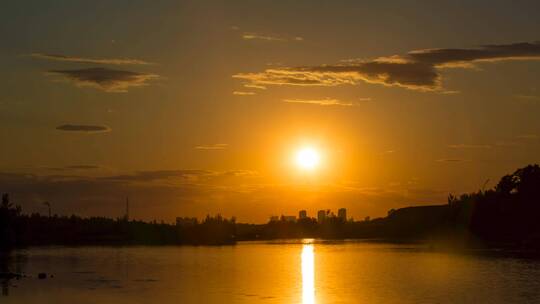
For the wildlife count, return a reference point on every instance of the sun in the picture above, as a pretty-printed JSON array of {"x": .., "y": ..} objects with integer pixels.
[{"x": 307, "y": 158}]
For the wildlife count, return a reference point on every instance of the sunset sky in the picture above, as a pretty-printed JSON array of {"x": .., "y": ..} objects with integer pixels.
[{"x": 196, "y": 107}]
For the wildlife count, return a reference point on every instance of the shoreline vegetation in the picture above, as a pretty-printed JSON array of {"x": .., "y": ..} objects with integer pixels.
[{"x": 507, "y": 216}]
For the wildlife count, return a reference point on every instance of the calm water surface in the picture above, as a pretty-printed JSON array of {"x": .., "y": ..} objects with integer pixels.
[{"x": 295, "y": 272}]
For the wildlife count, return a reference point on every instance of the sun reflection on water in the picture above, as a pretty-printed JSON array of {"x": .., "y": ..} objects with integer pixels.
[{"x": 308, "y": 274}]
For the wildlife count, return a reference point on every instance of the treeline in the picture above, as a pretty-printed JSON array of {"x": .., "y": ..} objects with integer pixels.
[
  {"x": 19, "y": 230},
  {"x": 508, "y": 214}
]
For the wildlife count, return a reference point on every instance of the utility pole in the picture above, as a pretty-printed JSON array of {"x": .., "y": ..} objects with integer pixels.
[
  {"x": 49, "y": 206},
  {"x": 126, "y": 217}
]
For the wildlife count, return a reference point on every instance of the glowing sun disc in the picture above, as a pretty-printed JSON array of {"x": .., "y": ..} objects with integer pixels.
[{"x": 307, "y": 158}]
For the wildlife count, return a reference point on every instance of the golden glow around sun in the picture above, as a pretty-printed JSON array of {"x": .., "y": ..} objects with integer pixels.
[{"x": 308, "y": 158}]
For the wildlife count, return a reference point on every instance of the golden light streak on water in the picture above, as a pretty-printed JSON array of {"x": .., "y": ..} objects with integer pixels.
[{"x": 308, "y": 274}]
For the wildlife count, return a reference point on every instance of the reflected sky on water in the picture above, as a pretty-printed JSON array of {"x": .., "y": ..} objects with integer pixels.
[{"x": 269, "y": 272}]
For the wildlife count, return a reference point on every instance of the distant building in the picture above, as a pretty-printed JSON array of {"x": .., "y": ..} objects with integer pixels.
[
  {"x": 274, "y": 218},
  {"x": 186, "y": 221},
  {"x": 321, "y": 216},
  {"x": 302, "y": 214},
  {"x": 342, "y": 214},
  {"x": 288, "y": 218}
]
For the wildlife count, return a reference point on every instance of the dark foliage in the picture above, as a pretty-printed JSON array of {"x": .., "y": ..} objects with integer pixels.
[
  {"x": 18, "y": 230},
  {"x": 509, "y": 215}
]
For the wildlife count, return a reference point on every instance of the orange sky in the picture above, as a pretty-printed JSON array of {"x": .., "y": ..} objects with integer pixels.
[{"x": 200, "y": 106}]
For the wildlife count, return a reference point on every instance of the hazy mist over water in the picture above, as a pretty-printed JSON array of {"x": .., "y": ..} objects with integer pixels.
[{"x": 270, "y": 272}]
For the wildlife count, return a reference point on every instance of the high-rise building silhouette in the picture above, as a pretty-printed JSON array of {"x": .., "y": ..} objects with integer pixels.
[
  {"x": 302, "y": 214},
  {"x": 321, "y": 216},
  {"x": 342, "y": 214}
]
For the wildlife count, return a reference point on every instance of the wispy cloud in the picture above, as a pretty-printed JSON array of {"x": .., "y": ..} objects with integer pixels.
[
  {"x": 255, "y": 36},
  {"x": 416, "y": 70},
  {"x": 83, "y": 128},
  {"x": 321, "y": 102},
  {"x": 78, "y": 59},
  {"x": 83, "y": 167},
  {"x": 514, "y": 142},
  {"x": 108, "y": 80},
  {"x": 243, "y": 93},
  {"x": 452, "y": 160},
  {"x": 186, "y": 175},
  {"x": 254, "y": 86},
  {"x": 269, "y": 37},
  {"x": 449, "y": 58},
  {"x": 73, "y": 167},
  {"x": 147, "y": 176},
  {"x": 212, "y": 147}
]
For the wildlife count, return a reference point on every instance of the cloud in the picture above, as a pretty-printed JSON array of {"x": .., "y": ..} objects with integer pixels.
[
  {"x": 83, "y": 128},
  {"x": 73, "y": 167},
  {"x": 449, "y": 92},
  {"x": 76, "y": 59},
  {"x": 486, "y": 53},
  {"x": 417, "y": 70},
  {"x": 321, "y": 102},
  {"x": 242, "y": 93},
  {"x": 518, "y": 141},
  {"x": 254, "y": 86},
  {"x": 469, "y": 146},
  {"x": 148, "y": 176},
  {"x": 269, "y": 37},
  {"x": 293, "y": 76},
  {"x": 212, "y": 147},
  {"x": 177, "y": 176},
  {"x": 255, "y": 36},
  {"x": 248, "y": 173},
  {"x": 105, "y": 79},
  {"x": 83, "y": 167},
  {"x": 452, "y": 160}
]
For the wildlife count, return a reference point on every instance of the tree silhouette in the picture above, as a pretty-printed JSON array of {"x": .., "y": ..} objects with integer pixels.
[{"x": 5, "y": 201}]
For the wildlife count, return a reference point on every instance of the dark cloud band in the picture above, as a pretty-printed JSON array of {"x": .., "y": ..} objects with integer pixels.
[
  {"x": 417, "y": 70},
  {"x": 77, "y": 59},
  {"x": 108, "y": 80},
  {"x": 83, "y": 128}
]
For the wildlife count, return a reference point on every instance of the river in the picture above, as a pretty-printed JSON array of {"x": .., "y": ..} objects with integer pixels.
[{"x": 302, "y": 271}]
